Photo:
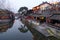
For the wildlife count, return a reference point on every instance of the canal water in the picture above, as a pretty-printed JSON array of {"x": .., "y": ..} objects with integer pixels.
[{"x": 13, "y": 33}]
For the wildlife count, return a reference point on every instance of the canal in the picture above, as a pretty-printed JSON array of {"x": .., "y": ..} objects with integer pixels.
[{"x": 13, "y": 33}]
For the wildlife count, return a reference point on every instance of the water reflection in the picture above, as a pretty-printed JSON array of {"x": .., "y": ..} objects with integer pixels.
[
  {"x": 23, "y": 29},
  {"x": 13, "y": 33},
  {"x": 4, "y": 26},
  {"x": 39, "y": 36},
  {"x": 36, "y": 34}
]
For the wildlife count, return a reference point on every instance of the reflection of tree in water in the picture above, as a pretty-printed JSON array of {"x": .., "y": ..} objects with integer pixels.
[
  {"x": 5, "y": 26},
  {"x": 23, "y": 29}
]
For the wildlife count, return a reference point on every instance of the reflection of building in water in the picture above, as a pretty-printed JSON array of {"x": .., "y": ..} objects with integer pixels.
[
  {"x": 36, "y": 35},
  {"x": 4, "y": 26},
  {"x": 42, "y": 31}
]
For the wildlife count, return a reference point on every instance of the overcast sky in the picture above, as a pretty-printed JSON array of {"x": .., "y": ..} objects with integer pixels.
[{"x": 16, "y": 4}]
